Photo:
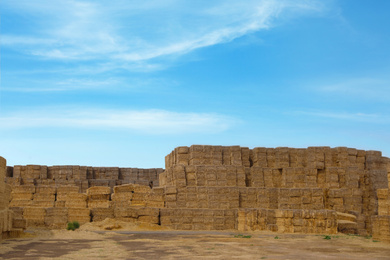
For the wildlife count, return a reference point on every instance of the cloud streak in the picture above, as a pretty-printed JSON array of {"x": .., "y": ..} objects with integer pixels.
[
  {"x": 374, "y": 88},
  {"x": 359, "y": 117},
  {"x": 145, "y": 121},
  {"x": 134, "y": 33}
]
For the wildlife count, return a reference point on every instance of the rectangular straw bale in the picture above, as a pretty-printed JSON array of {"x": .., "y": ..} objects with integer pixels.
[
  {"x": 34, "y": 211},
  {"x": 19, "y": 223},
  {"x": 56, "y": 217},
  {"x": 44, "y": 196},
  {"x": 99, "y": 214},
  {"x": 23, "y": 189},
  {"x": 70, "y": 203},
  {"x": 149, "y": 219},
  {"x": 155, "y": 204},
  {"x": 20, "y": 203},
  {"x": 67, "y": 189},
  {"x": 56, "y": 212},
  {"x": 22, "y": 196},
  {"x": 43, "y": 203},
  {"x": 18, "y": 211},
  {"x": 76, "y": 196},
  {"x": 79, "y": 212},
  {"x": 121, "y": 204},
  {"x": 99, "y": 204},
  {"x": 98, "y": 197},
  {"x": 98, "y": 190},
  {"x": 46, "y": 190},
  {"x": 122, "y": 196},
  {"x": 124, "y": 188},
  {"x": 59, "y": 204}
]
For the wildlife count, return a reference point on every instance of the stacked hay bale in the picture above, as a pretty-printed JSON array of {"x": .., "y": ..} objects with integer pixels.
[
  {"x": 288, "y": 221},
  {"x": 35, "y": 216},
  {"x": 99, "y": 203},
  {"x": 76, "y": 204},
  {"x": 22, "y": 196},
  {"x": 56, "y": 218},
  {"x": 140, "y": 195},
  {"x": 122, "y": 202},
  {"x": 199, "y": 219},
  {"x": 129, "y": 203},
  {"x": 122, "y": 196},
  {"x": 156, "y": 198},
  {"x": 62, "y": 195},
  {"x": 381, "y": 223},
  {"x": 44, "y": 196}
]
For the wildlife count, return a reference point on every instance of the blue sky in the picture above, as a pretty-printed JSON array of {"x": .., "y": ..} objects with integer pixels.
[{"x": 122, "y": 83}]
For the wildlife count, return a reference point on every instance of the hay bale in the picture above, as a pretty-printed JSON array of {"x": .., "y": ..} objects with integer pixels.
[
  {"x": 56, "y": 217},
  {"x": 81, "y": 215},
  {"x": 44, "y": 189},
  {"x": 99, "y": 214},
  {"x": 98, "y": 191},
  {"x": 124, "y": 188}
]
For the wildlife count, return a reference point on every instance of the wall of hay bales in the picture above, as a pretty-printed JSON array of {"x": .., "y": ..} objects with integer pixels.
[
  {"x": 83, "y": 177},
  {"x": 314, "y": 190}
]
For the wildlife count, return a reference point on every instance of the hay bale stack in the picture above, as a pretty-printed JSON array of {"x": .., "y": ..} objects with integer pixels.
[
  {"x": 141, "y": 193},
  {"x": 81, "y": 215},
  {"x": 56, "y": 218},
  {"x": 62, "y": 194},
  {"x": 100, "y": 214},
  {"x": 18, "y": 220},
  {"x": 35, "y": 216},
  {"x": 6, "y": 219},
  {"x": 22, "y": 196},
  {"x": 156, "y": 198},
  {"x": 44, "y": 196},
  {"x": 99, "y": 197},
  {"x": 76, "y": 200}
]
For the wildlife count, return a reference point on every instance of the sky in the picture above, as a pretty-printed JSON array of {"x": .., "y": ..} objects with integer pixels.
[{"x": 122, "y": 83}]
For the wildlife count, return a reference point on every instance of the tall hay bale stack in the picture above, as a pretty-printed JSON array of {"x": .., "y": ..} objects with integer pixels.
[
  {"x": 100, "y": 214},
  {"x": 81, "y": 215},
  {"x": 76, "y": 200},
  {"x": 44, "y": 196},
  {"x": 56, "y": 218},
  {"x": 62, "y": 194},
  {"x": 35, "y": 216},
  {"x": 141, "y": 193},
  {"x": 99, "y": 197},
  {"x": 156, "y": 198},
  {"x": 22, "y": 196}
]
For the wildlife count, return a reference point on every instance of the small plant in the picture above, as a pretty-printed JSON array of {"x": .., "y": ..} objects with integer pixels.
[
  {"x": 242, "y": 236},
  {"x": 327, "y": 237},
  {"x": 276, "y": 237},
  {"x": 70, "y": 226},
  {"x": 76, "y": 224},
  {"x": 73, "y": 225}
]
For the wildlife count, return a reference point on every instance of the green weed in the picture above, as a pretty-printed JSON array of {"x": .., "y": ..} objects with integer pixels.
[{"x": 73, "y": 225}]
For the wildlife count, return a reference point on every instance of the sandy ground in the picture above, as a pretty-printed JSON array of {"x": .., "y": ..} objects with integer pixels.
[{"x": 131, "y": 241}]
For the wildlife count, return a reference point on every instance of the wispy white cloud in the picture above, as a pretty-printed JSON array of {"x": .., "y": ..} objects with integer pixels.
[
  {"x": 143, "y": 121},
  {"x": 375, "y": 88},
  {"x": 137, "y": 32},
  {"x": 360, "y": 117}
]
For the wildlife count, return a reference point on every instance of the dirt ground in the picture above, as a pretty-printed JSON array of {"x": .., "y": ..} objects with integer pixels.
[{"x": 94, "y": 241}]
